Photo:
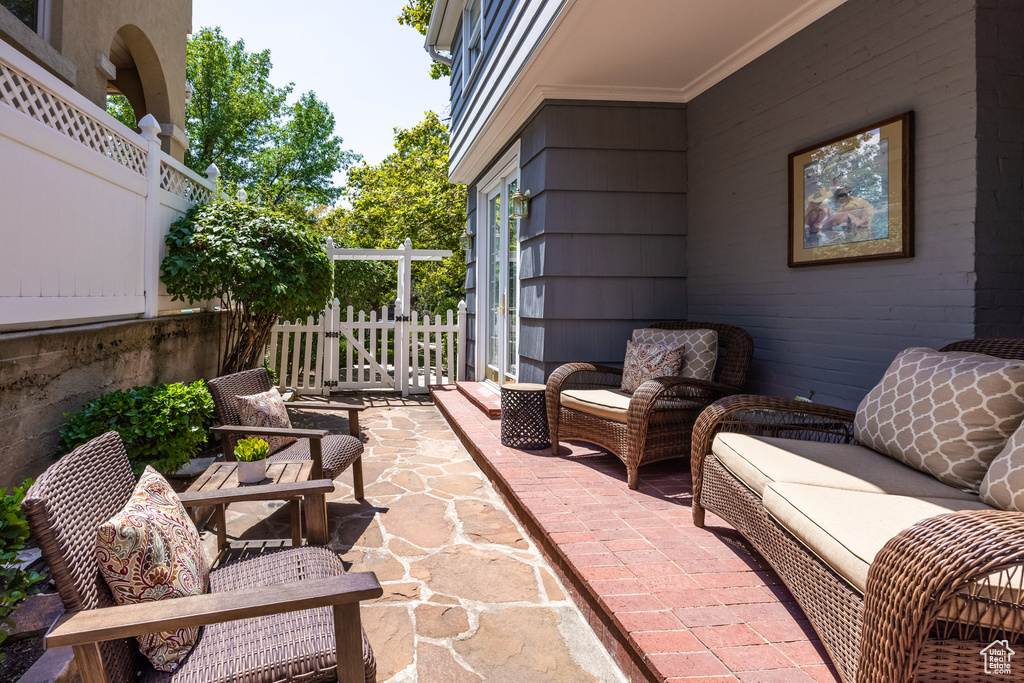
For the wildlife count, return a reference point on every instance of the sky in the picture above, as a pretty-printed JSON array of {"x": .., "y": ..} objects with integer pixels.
[{"x": 371, "y": 71}]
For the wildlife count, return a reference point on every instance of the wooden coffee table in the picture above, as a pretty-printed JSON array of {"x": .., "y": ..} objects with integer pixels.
[{"x": 285, "y": 481}]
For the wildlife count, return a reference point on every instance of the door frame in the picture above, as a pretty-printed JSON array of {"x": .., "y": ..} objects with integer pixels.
[{"x": 507, "y": 165}]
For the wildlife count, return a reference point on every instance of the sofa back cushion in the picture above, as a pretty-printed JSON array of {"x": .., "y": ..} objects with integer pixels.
[
  {"x": 945, "y": 413},
  {"x": 701, "y": 348},
  {"x": 1003, "y": 485}
]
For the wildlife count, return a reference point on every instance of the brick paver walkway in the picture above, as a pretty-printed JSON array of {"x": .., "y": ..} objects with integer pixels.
[
  {"x": 467, "y": 596},
  {"x": 672, "y": 601}
]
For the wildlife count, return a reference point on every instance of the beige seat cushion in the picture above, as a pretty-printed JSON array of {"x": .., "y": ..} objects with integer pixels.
[
  {"x": 758, "y": 461},
  {"x": 846, "y": 529},
  {"x": 613, "y": 404},
  {"x": 1003, "y": 485},
  {"x": 945, "y": 413},
  {"x": 701, "y": 348}
]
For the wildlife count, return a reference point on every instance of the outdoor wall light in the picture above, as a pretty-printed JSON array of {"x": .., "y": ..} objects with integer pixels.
[
  {"x": 520, "y": 204},
  {"x": 466, "y": 239}
]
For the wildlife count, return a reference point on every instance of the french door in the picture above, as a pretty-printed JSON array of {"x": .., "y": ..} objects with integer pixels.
[{"x": 501, "y": 271}]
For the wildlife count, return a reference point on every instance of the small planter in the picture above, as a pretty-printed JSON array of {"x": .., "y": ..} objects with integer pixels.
[{"x": 252, "y": 472}]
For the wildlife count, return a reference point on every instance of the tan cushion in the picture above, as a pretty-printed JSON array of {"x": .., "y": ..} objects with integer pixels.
[
  {"x": 701, "y": 352},
  {"x": 948, "y": 414},
  {"x": 758, "y": 461},
  {"x": 1003, "y": 485},
  {"x": 613, "y": 404},
  {"x": 846, "y": 529}
]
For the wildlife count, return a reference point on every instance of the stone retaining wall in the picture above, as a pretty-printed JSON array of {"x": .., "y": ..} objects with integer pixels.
[{"x": 44, "y": 374}]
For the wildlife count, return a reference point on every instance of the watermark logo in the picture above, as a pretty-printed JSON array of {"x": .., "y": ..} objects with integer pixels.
[{"x": 997, "y": 658}]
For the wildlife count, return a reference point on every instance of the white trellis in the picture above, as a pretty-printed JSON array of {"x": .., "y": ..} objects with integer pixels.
[{"x": 386, "y": 349}]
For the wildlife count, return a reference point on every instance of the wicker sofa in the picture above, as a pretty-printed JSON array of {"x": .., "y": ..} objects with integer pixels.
[
  {"x": 655, "y": 422},
  {"x": 903, "y": 577}
]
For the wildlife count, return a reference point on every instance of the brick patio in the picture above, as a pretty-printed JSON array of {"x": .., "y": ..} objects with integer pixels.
[{"x": 673, "y": 602}]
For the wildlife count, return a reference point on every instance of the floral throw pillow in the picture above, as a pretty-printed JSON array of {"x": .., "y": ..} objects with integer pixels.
[
  {"x": 151, "y": 551},
  {"x": 649, "y": 361},
  {"x": 266, "y": 410}
]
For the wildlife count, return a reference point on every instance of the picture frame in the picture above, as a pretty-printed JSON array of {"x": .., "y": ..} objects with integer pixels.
[{"x": 851, "y": 197}]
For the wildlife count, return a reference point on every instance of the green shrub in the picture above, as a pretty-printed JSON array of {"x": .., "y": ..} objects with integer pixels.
[
  {"x": 15, "y": 583},
  {"x": 252, "y": 449},
  {"x": 162, "y": 425}
]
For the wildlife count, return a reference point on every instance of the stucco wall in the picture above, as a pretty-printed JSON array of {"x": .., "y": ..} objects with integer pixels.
[
  {"x": 46, "y": 374},
  {"x": 834, "y": 329},
  {"x": 81, "y": 29}
]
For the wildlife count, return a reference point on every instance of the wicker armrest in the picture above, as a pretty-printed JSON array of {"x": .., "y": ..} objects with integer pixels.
[
  {"x": 680, "y": 388},
  {"x": 917, "y": 575},
  {"x": 601, "y": 375},
  {"x": 296, "y": 489},
  {"x": 110, "y": 623},
  {"x": 239, "y": 431},
  {"x": 322, "y": 405},
  {"x": 763, "y": 416}
]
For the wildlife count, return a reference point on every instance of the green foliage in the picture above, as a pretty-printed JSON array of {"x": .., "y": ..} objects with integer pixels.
[
  {"x": 257, "y": 262},
  {"x": 282, "y": 154},
  {"x": 416, "y": 13},
  {"x": 406, "y": 195},
  {"x": 251, "y": 449},
  {"x": 162, "y": 425},
  {"x": 120, "y": 108},
  {"x": 15, "y": 582}
]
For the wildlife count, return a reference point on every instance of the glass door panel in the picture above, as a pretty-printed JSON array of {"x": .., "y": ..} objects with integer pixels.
[
  {"x": 494, "y": 318},
  {"x": 502, "y": 283},
  {"x": 512, "y": 251}
]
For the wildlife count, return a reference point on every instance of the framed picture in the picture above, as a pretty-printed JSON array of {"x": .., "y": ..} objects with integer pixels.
[{"x": 851, "y": 198}]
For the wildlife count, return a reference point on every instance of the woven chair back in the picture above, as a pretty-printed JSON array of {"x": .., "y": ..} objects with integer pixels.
[
  {"x": 65, "y": 507},
  {"x": 1011, "y": 349},
  {"x": 735, "y": 349},
  {"x": 224, "y": 389}
]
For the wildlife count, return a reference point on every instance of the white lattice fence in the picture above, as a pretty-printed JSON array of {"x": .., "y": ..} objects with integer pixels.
[{"x": 183, "y": 182}]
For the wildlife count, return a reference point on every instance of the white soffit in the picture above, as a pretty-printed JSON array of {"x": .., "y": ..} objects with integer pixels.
[{"x": 637, "y": 51}]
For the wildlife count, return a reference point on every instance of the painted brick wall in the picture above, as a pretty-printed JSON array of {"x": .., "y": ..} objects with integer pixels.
[
  {"x": 1000, "y": 216},
  {"x": 834, "y": 329}
]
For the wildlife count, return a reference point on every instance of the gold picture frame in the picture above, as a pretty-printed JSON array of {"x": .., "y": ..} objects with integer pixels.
[{"x": 851, "y": 198}]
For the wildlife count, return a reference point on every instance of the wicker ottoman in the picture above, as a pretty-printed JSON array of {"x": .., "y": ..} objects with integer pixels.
[{"x": 524, "y": 417}]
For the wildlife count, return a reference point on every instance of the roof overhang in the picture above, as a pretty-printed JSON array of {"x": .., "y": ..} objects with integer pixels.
[
  {"x": 444, "y": 19},
  {"x": 608, "y": 50}
]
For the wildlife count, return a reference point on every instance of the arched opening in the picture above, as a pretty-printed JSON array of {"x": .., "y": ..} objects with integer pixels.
[{"x": 139, "y": 75}]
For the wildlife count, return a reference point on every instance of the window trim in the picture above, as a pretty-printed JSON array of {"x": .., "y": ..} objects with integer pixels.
[{"x": 467, "y": 35}]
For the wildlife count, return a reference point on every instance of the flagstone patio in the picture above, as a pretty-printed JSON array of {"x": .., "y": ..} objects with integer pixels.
[{"x": 467, "y": 595}]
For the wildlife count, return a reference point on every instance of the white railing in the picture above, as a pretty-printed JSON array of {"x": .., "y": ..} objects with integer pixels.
[
  {"x": 369, "y": 351},
  {"x": 85, "y": 204}
]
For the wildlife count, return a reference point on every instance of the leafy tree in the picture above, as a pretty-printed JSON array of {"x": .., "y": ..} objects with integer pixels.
[
  {"x": 258, "y": 263},
  {"x": 120, "y": 108},
  {"x": 406, "y": 195},
  {"x": 416, "y": 13}
]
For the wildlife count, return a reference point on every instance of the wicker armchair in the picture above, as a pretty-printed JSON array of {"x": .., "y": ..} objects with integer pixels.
[
  {"x": 277, "y": 616},
  {"x": 331, "y": 454},
  {"x": 927, "y": 611},
  {"x": 661, "y": 412}
]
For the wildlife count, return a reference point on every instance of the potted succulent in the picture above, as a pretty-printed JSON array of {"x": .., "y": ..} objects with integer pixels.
[{"x": 251, "y": 455}]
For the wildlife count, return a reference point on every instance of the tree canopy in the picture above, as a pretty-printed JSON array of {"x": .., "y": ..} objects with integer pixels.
[
  {"x": 406, "y": 195},
  {"x": 416, "y": 13}
]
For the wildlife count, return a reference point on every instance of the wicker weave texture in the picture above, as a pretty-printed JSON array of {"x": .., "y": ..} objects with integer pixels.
[
  {"x": 524, "y": 420},
  {"x": 64, "y": 507},
  {"x": 661, "y": 412},
  {"x": 298, "y": 646},
  {"x": 338, "y": 451}
]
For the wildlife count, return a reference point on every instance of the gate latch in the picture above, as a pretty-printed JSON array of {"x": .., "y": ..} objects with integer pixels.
[{"x": 332, "y": 335}]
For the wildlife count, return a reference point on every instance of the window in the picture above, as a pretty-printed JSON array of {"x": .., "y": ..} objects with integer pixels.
[
  {"x": 25, "y": 10},
  {"x": 472, "y": 38}
]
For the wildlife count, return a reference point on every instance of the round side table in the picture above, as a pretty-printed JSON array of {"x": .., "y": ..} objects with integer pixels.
[{"x": 524, "y": 417}]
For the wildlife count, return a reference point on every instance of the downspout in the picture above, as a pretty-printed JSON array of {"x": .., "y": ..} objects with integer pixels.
[{"x": 437, "y": 56}]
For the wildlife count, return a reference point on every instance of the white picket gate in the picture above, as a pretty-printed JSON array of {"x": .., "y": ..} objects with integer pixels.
[{"x": 369, "y": 351}]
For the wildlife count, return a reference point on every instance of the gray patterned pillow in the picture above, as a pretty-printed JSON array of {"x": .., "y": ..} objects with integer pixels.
[
  {"x": 701, "y": 348},
  {"x": 1003, "y": 485},
  {"x": 947, "y": 414}
]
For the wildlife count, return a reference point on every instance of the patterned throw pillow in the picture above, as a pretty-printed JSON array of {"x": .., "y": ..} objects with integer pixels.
[
  {"x": 648, "y": 361},
  {"x": 1003, "y": 485},
  {"x": 947, "y": 414},
  {"x": 266, "y": 410},
  {"x": 151, "y": 551},
  {"x": 701, "y": 349}
]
